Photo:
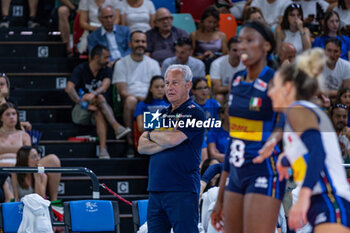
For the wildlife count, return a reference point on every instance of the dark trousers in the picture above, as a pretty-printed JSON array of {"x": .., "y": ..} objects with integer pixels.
[{"x": 177, "y": 210}]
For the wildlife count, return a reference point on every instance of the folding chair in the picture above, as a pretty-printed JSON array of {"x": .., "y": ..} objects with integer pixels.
[
  {"x": 169, "y": 4},
  {"x": 228, "y": 25},
  {"x": 139, "y": 213},
  {"x": 91, "y": 215},
  {"x": 185, "y": 22},
  {"x": 11, "y": 216}
]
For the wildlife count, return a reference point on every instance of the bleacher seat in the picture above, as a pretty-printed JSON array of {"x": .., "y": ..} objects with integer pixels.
[
  {"x": 91, "y": 215},
  {"x": 169, "y": 4},
  {"x": 195, "y": 7},
  {"x": 185, "y": 22},
  {"x": 139, "y": 213},
  {"x": 228, "y": 25},
  {"x": 11, "y": 216}
]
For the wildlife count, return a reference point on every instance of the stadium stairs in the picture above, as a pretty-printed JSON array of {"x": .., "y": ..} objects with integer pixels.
[{"x": 37, "y": 66}]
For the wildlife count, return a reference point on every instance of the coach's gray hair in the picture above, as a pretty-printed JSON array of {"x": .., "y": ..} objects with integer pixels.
[
  {"x": 104, "y": 5},
  {"x": 186, "y": 71}
]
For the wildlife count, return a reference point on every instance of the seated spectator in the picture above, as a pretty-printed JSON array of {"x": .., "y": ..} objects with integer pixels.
[
  {"x": 339, "y": 116},
  {"x": 208, "y": 42},
  {"x": 161, "y": 38},
  {"x": 223, "y": 69},
  {"x": 292, "y": 30},
  {"x": 110, "y": 35},
  {"x": 286, "y": 54},
  {"x": 184, "y": 51},
  {"x": 310, "y": 9},
  {"x": 343, "y": 9},
  {"x": 132, "y": 76},
  {"x": 91, "y": 80},
  {"x": 88, "y": 10},
  {"x": 218, "y": 138},
  {"x": 336, "y": 72},
  {"x": 250, "y": 14},
  {"x": 200, "y": 91},
  {"x": 343, "y": 97},
  {"x": 331, "y": 29},
  {"x": 272, "y": 17},
  {"x": 28, "y": 183},
  {"x": 66, "y": 13},
  {"x": 138, "y": 15},
  {"x": 12, "y": 138},
  {"x": 4, "y": 98},
  {"x": 155, "y": 100},
  {"x": 32, "y": 21}
]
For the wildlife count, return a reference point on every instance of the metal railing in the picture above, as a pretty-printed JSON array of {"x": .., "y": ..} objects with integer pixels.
[{"x": 66, "y": 170}]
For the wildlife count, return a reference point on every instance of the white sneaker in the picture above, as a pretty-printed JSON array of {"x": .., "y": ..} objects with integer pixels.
[{"x": 104, "y": 154}]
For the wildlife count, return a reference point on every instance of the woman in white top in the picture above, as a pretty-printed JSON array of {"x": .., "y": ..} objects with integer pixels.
[
  {"x": 292, "y": 30},
  {"x": 138, "y": 15},
  {"x": 343, "y": 9},
  {"x": 12, "y": 138},
  {"x": 311, "y": 148}
]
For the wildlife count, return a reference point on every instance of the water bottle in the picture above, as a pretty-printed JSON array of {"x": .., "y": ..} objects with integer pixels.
[{"x": 84, "y": 104}]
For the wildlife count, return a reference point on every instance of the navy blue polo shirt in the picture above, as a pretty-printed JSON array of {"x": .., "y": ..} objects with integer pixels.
[{"x": 177, "y": 168}]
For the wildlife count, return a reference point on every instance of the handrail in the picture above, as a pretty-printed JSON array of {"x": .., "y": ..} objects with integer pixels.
[{"x": 72, "y": 170}]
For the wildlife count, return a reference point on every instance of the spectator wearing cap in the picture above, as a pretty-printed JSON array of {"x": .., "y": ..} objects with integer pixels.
[
  {"x": 161, "y": 38},
  {"x": 184, "y": 51}
]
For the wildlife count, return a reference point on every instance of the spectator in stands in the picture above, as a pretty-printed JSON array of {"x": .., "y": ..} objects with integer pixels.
[
  {"x": 155, "y": 100},
  {"x": 208, "y": 42},
  {"x": 173, "y": 202},
  {"x": 88, "y": 10},
  {"x": 339, "y": 116},
  {"x": 331, "y": 29},
  {"x": 28, "y": 183},
  {"x": 132, "y": 76},
  {"x": 12, "y": 138},
  {"x": 343, "y": 9},
  {"x": 161, "y": 38},
  {"x": 66, "y": 13},
  {"x": 218, "y": 138},
  {"x": 336, "y": 72},
  {"x": 4, "y": 98},
  {"x": 114, "y": 37},
  {"x": 91, "y": 80},
  {"x": 310, "y": 10},
  {"x": 184, "y": 51},
  {"x": 200, "y": 91},
  {"x": 32, "y": 21},
  {"x": 343, "y": 97},
  {"x": 250, "y": 14},
  {"x": 223, "y": 69},
  {"x": 272, "y": 17},
  {"x": 138, "y": 15},
  {"x": 286, "y": 54},
  {"x": 292, "y": 30}
]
